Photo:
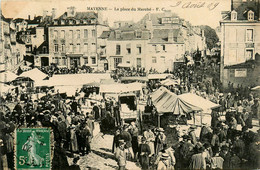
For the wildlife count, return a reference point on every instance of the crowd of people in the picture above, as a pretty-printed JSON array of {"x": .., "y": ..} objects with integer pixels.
[
  {"x": 219, "y": 147},
  {"x": 72, "y": 130},
  {"x": 221, "y": 144}
]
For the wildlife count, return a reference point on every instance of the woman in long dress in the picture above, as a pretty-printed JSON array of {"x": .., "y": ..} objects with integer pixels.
[
  {"x": 150, "y": 138},
  {"x": 73, "y": 139}
]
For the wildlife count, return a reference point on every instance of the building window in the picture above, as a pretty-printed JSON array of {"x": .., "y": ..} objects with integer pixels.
[
  {"x": 63, "y": 48},
  {"x": 55, "y": 34},
  {"x": 249, "y": 35},
  {"x": 71, "y": 34},
  {"x": 117, "y": 61},
  {"x": 128, "y": 50},
  {"x": 139, "y": 49},
  {"x": 163, "y": 47},
  {"x": 85, "y": 33},
  {"x": 233, "y": 16},
  {"x": 78, "y": 47},
  {"x": 93, "y": 33},
  {"x": 138, "y": 34},
  {"x": 64, "y": 61},
  {"x": 78, "y": 34},
  {"x": 250, "y": 15},
  {"x": 118, "y": 49},
  {"x": 163, "y": 59},
  {"x": 71, "y": 48},
  {"x": 93, "y": 59},
  {"x": 56, "y": 48},
  {"x": 85, "y": 60},
  {"x": 249, "y": 54},
  {"x": 44, "y": 50},
  {"x": 138, "y": 62},
  {"x": 85, "y": 47},
  {"x": 62, "y": 34},
  {"x": 175, "y": 39},
  {"x": 154, "y": 60}
]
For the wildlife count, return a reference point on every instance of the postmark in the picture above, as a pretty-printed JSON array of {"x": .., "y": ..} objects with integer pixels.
[{"x": 33, "y": 148}]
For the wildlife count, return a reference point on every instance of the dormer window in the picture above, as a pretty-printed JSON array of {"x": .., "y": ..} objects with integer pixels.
[
  {"x": 62, "y": 22},
  {"x": 85, "y": 21},
  {"x": 250, "y": 15},
  {"x": 233, "y": 16},
  {"x": 77, "y": 21},
  {"x": 70, "y": 22},
  {"x": 93, "y": 21},
  {"x": 55, "y": 22}
]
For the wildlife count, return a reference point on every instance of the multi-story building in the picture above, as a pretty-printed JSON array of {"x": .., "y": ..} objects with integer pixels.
[
  {"x": 240, "y": 43},
  {"x": 73, "y": 38},
  {"x": 164, "y": 49},
  {"x": 11, "y": 51},
  {"x": 127, "y": 46}
]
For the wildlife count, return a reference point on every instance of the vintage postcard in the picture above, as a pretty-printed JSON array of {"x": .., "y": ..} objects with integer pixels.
[{"x": 129, "y": 84}]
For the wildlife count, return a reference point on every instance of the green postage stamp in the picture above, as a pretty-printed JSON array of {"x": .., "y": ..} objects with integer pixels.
[{"x": 33, "y": 148}]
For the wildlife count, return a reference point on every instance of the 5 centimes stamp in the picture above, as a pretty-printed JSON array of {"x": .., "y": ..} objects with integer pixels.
[{"x": 33, "y": 148}]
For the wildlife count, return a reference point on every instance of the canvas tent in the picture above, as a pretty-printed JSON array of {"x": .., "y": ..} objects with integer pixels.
[
  {"x": 166, "y": 101},
  {"x": 158, "y": 76},
  {"x": 120, "y": 88},
  {"x": 124, "y": 65},
  {"x": 198, "y": 101},
  {"x": 35, "y": 74},
  {"x": 169, "y": 82},
  {"x": 73, "y": 79}
]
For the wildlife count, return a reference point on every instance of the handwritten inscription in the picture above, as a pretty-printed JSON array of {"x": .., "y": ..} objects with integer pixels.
[{"x": 209, "y": 5}]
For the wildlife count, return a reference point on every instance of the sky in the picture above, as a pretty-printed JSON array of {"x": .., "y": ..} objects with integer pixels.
[{"x": 204, "y": 12}]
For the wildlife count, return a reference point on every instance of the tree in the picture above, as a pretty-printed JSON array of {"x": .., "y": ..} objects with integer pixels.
[{"x": 211, "y": 36}]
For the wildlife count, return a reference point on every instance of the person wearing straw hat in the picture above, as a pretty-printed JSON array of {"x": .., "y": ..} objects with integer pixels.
[
  {"x": 164, "y": 162},
  {"x": 120, "y": 155},
  {"x": 160, "y": 140},
  {"x": 150, "y": 138}
]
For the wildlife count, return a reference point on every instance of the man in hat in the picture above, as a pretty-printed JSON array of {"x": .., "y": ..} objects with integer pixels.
[
  {"x": 198, "y": 160},
  {"x": 193, "y": 135},
  {"x": 164, "y": 163},
  {"x": 126, "y": 136},
  {"x": 134, "y": 131},
  {"x": 225, "y": 154},
  {"x": 222, "y": 102},
  {"x": 160, "y": 139},
  {"x": 120, "y": 155},
  {"x": 143, "y": 154}
]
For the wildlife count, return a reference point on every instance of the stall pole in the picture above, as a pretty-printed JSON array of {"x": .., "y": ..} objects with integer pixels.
[{"x": 159, "y": 121}]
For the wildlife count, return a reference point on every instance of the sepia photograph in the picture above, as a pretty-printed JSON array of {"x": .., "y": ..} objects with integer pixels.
[{"x": 129, "y": 84}]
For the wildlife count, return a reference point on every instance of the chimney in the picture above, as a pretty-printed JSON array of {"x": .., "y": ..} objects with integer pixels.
[
  {"x": 71, "y": 11},
  {"x": 149, "y": 16},
  {"x": 53, "y": 13},
  {"x": 44, "y": 14},
  {"x": 167, "y": 13},
  {"x": 29, "y": 17}
]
